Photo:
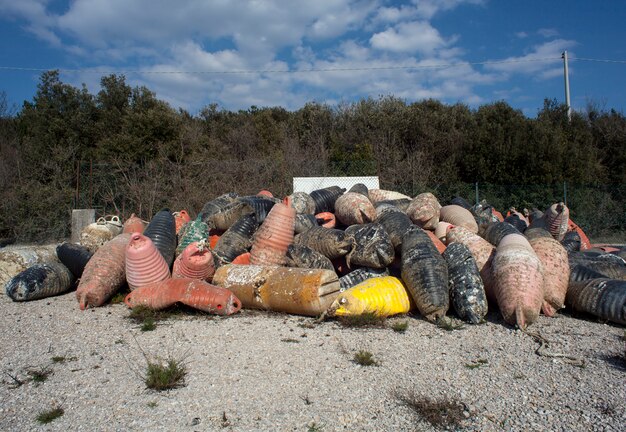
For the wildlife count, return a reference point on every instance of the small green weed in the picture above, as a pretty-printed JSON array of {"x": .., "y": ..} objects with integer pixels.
[
  {"x": 364, "y": 320},
  {"x": 478, "y": 363},
  {"x": 39, "y": 375},
  {"x": 165, "y": 375},
  {"x": 45, "y": 417},
  {"x": 448, "y": 324},
  {"x": 443, "y": 413},
  {"x": 118, "y": 298},
  {"x": 400, "y": 326},
  {"x": 148, "y": 325},
  {"x": 314, "y": 427},
  {"x": 365, "y": 358},
  {"x": 152, "y": 404}
]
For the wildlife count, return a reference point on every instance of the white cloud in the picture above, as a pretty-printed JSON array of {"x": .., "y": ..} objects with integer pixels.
[
  {"x": 539, "y": 62},
  {"x": 429, "y": 8},
  {"x": 416, "y": 36},
  {"x": 548, "y": 32},
  {"x": 521, "y": 35}
]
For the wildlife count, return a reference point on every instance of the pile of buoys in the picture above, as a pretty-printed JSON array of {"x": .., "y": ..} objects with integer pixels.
[{"x": 341, "y": 253}]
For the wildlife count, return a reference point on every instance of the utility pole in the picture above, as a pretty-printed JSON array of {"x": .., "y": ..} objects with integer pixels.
[{"x": 566, "y": 75}]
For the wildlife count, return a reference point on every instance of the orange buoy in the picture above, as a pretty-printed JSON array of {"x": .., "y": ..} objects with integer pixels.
[
  {"x": 195, "y": 262},
  {"x": 144, "y": 262},
  {"x": 180, "y": 219},
  {"x": 274, "y": 236}
]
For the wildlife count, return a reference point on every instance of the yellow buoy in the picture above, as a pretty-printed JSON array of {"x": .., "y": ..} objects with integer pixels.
[{"x": 381, "y": 296}]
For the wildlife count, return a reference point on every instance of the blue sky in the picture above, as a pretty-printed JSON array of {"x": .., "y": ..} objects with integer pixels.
[{"x": 387, "y": 45}]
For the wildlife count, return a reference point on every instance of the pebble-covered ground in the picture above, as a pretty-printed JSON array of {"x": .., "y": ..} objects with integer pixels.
[{"x": 267, "y": 371}]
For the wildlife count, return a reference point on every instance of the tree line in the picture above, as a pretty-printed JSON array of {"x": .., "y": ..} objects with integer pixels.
[{"x": 124, "y": 151}]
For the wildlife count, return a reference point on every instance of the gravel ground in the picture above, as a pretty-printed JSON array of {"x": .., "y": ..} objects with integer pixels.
[{"x": 264, "y": 371}]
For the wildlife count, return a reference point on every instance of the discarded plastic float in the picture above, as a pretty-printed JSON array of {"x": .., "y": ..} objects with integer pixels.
[
  {"x": 104, "y": 274},
  {"x": 557, "y": 218},
  {"x": 15, "y": 259},
  {"x": 304, "y": 257},
  {"x": 556, "y": 270},
  {"x": 425, "y": 273},
  {"x": 261, "y": 205},
  {"x": 243, "y": 259},
  {"x": 360, "y": 188},
  {"x": 304, "y": 222},
  {"x": 601, "y": 297},
  {"x": 441, "y": 231},
  {"x": 265, "y": 193},
  {"x": 162, "y": 231},
  {"x": 236, "y": 240},
  {"x": 40, "y": 281},
  {"x": 518, "y": 281},
  {"x": 584, "y": 240},
  {"x": 458, "y": 216},
  {"x": 190, "y": 292},
  {"x": 359, "y": 275},
  {"x": 376, "y": 195},
  {"x": 354, "y": 208},
  {"x": 441, "y": 247},
  {"x": 144, "y": 262},
  {"x": 301, "y": 202},
  {"x": 192, "y": 231},
  {"x": 96, "y": 234},
  {"x": 326, "y": 219},
  {"x": 424, "y": 211},
  {"x": 74, "y": 256},
  {"x": 196, "y": 262},
  {"x": 571, "y": 241},
  {"x": 495, "y": 231},
  {"x": 228, "y": 215},
  {"x": 372, "y": 246},
  {"x": 395, "y": 222},
  {"x": 216, "y": 205},
  {"x": 482, "y": 251},
  {"x": 517, "y": 219},
  {"x": 332, "y": 243},
  {"x": 325, "y": 198},
  {"x": 134, "y": 224},
  {"x": 382, "y": 296},
  {"x": 180, "y": 219},
  {"x": 292, "y": 290},
  {"x": 467, "y": 291},
  {"x": 271, "y": 240}
]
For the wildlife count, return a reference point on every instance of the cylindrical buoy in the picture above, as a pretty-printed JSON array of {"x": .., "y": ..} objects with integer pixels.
[
  {"x": 162, "y": 231},
  {"x": 354, "y": 208},
  {"x": 75, "y": 257},
  {"x": 383, "y": 296},
  {"x": 104, "y": 274},
  {"x": 281, "y": 289},
  {"x": 467, "y": 291},
  {"x": 144, "y": 263},
  {"x": 458, "y": 216},
  {"x": 192, "y": 231},
  {"x": 180, "y": 219},
  {"x": 271, "y": 240},
  {"x": 196, "y": 262},
  {"x": 191, "y": 292},
  {"x": 332, "y": 243},
  {"x": 134, "y": 224},
  {"x": 424, "y": 211},
  {"x": 518, "y": 281},
  {"x": 556, "y": 271},
  {"x": 40, "y": 281},
  {"x": 425, "y": 273}
]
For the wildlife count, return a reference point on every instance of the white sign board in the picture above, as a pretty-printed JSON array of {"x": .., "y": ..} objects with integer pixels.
[{"x": 309, "y": 184}]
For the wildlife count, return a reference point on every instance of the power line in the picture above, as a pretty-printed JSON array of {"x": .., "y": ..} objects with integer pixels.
[
  {"x": 294, "y": 71},
  {"x": 261, "y": 71}
]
